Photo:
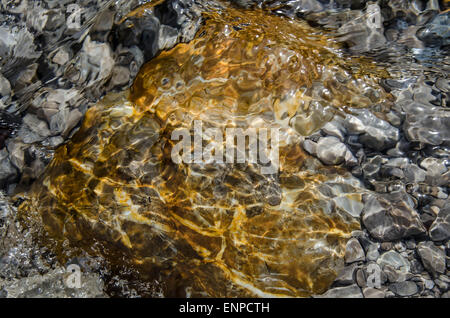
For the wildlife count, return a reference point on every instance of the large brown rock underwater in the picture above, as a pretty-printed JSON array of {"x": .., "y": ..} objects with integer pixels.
[{"x": 214, "y": 229}]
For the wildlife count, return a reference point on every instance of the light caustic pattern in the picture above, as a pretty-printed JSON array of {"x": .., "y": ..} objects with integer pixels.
[{"x": 214, "y": 229}]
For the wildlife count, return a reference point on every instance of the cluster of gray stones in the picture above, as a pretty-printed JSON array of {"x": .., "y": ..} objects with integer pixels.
[
  {"x": 59, "y": 57},
  {"x": 404, "y": 160}
]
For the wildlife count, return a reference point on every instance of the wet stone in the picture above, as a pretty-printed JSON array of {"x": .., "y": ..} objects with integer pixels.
[
  {"x": 437, "y": 31},
  {"x": 395, "y": 260},
  {"x": 371, "y": 167},
  {"x": 61, "y": 56},
  {"x": 330, "y": 150},
  {"x": 335, "y": 128},
  {"x": 386, "y": 246},
  {"x": 16, "y": 153},
  {"x": 203, "y": 228},
  {"x": 352, "y": 291},
  {"x": 446, "y": 295},
  {"x": 427, "y": 219},
  {"x": 426, "y": 124},
  {"x": 414, "y": 174},
  {"x": 354, "y": 252},
  {"x": 310, "y": 146},
  {"x": 440, "y": 228},
  {"x": 443, "y": 286},
  {"x": 442, "y": 84},
  {"x": 7, "y": 170},
  {"x": 93, "y": 66},
  {"x": 120, "y": 77},
  {"x": 350, "y": 204},
  {"x": 346, "y": 275},
  {"x": 370, "y": 292},
  {"x": 410, "y": 244},
  {"x": 367, "y": 35},
  {"x": 429, "y": 284},
  {"x": 36, "y": 125},
  {"x": 406, "y": 288},
  {"x": 15, "y": 47},
  {"x": 400, "y": 247},
  {"x": 391, "y": 216},
  {"x": 374, "y": 132},
  {"x": 416, "y": 267},
  {"x": 5, "y": 86},
  {"x": 53, "y": 284},
  {"x": 433, "y": 258},
  {"x": 361, "y": 278},
  {"x": 434, "y": 166}
]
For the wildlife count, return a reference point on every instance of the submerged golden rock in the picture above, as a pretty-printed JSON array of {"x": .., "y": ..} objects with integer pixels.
[{"x": 214, "y": 229}]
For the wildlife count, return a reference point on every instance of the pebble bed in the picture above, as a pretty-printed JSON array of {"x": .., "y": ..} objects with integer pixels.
[{"x": 51, "y": 74}]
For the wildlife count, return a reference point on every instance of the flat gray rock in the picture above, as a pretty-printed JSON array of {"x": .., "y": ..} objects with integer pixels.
[
  {"x": 395, "y": 260},
  {"x": 427, "y": 124},
  {"x": 331, "y": 151},
  {"x": 374, "y": 132},
  {"x": 370, "y": 292},
  {"x": 390, "y": 216},
  {"x": 440, "y": 228},
  {"x": 354, "y": 251},
  {"x": 372, "y": 252}
]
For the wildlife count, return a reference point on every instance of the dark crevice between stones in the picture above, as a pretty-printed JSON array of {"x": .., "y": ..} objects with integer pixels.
[{"x": 9, "y": 124}]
